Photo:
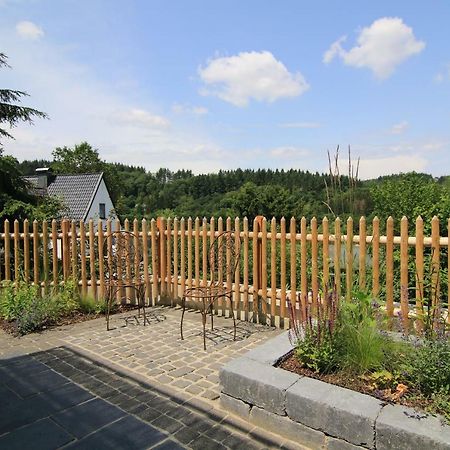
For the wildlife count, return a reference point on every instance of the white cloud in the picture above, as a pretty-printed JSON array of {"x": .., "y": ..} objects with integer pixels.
[
  {"x": 399, "y": 128},
  {"x": 82, "y": 107},
  {"x": 376, "y": 167},
  {"x": 443, "y": 75},
  {"x": 29, "y": 30},
  {"x": 334, "y": 50},
  {"x": 250, "y": 75},
  {"x": 381, "y": 47},
  {"x": 139, "y": 118},
  {"x": 290, "y": 152},
  {"x": 300, "y": 125},
  {"x": 187, "y": 109}
]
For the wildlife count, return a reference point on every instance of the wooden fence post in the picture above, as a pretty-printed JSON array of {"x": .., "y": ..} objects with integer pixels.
[
  {"x": 161, "y": 224},
  {"x": 45, "y": 250},
  {"x": 390, "y": 266},
  {"x": 435, "y": 259},
  {"x": 55, "y": 241},
  {"x": 155, "y": 266},
  {"x": 419, "y": 272},
  {"x": 7, "y": 252},
  {"x": 404, "y": 306},
  {"x": 65, "y": 249},
  {"x": 26, "y": 250},
  {"x": 16, "y": 253},
  {"x": 257, "y": 269},
  {"x": 375, "y": 256}
]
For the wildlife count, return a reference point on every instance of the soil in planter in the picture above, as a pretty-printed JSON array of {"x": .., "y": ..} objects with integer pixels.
[{"x": 402, "y": 396}]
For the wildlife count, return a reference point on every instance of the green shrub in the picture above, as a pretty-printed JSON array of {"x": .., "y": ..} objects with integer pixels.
[
  {"x": 317, "y": 354},
  {"x": 35, "y": 317},
  {"x": 90, "y": 305},
  {"x": 429, "y": 367},
  {"x": 31, "y": 312},
  {"x": 66, "y": 300},
  {"x": 14, "y": 301}
]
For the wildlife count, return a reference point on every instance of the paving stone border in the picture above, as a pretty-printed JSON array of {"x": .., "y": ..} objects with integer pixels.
[{"x": 318, "y": 414}]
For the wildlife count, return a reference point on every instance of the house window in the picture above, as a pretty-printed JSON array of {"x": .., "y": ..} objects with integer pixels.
[{"x": 102, "y": 210}]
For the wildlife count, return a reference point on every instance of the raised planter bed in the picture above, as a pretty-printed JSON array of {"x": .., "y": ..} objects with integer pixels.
[{"x": 318, "y": 414}]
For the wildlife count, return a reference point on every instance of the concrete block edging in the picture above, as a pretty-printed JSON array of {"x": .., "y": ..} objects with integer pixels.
[{"x": 320, "y": 414}]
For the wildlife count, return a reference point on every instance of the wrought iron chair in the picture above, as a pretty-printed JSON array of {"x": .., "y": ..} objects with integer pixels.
[
  {"x": 123, "y": 265},
  {"x": 224, "y": 255}
]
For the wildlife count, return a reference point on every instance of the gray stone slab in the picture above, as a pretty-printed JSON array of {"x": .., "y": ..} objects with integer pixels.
[
  {"x": 271, "y": 351},
  {"x": 88, "y": 417},
  {"x": 339, "y": 444},
  {"x": 127, "y": 433},
  {"x": 33, "y": 383},
  {"x": 398, "y": 427},
  {"x": 256, "y": 383},
  {"x": 337, "y": 411},
  {"x": 286, "y": 427},
  {"x": 21, "y": 413},
  {"x": 63, "y": 397},
  {"x": 40, "y": 435},
  {"x": 235, "y": 406}
]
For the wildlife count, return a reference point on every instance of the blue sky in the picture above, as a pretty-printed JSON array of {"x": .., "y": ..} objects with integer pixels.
[{"x": 207, "y": 85}]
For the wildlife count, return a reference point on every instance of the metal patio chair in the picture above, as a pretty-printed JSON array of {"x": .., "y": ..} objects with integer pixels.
[
  {"x": 224, "y": 255},
  {"x": 123, "y": 268}
]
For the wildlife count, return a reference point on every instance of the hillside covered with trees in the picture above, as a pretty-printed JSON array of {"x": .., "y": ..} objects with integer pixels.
[{"x": 272, "y": 193}]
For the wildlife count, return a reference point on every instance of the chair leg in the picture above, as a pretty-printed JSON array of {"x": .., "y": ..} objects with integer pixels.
[
  {"x": 204, "y": 314},
  {"x": 234, "y": 319},
  {"x": 212, "y": 316},
  {"x": 183, "y": 305},
  {"x": 107, "y": 313},
  {"x": 142, "y": 298}
]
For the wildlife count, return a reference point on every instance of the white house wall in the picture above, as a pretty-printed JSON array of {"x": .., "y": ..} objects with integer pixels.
[{"x": 102, "y": 196}]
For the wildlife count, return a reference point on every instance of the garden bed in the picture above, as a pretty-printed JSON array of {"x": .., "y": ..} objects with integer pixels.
[
  {"x": 318, "y": 414},
  {"x": 402, "y": 395},
  {"x": 75, "y": 317}
]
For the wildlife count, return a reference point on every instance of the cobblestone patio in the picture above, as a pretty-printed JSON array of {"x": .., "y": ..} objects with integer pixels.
[{"x": 152, "y": 375}]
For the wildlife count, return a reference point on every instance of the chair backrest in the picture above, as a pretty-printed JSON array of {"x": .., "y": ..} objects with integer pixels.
[
  {"x": 224, "y": 258},
  {"x": 123, "y": 260}
]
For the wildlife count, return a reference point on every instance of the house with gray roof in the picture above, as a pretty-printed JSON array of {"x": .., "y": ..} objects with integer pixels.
[{"x": 85, "y": 195}]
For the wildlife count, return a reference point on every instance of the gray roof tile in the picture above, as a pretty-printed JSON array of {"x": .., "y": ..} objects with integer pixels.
[{"x": 76, "y": 191}]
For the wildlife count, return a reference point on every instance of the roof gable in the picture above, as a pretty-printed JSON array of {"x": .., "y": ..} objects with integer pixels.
[{"x": 77, "y": 191}]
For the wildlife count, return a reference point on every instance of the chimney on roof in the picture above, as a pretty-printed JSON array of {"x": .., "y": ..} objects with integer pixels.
[{"x": 43, "y": 175}]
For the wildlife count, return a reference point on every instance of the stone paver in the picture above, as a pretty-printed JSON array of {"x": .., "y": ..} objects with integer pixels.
[{"x": 144, "y": 376}]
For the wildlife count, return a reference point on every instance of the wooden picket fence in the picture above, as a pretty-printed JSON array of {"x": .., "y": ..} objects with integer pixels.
[{"x": 280, "y": 260}]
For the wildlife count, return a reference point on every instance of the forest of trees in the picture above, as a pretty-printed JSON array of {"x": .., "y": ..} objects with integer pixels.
[{"x": 272, "y": 193}]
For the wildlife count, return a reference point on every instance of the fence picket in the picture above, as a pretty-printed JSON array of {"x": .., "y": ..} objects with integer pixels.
[
  {"x": 26, "y": 250},
  {"x": 349, "y": 259},
  {"x": 55, "y": 241},
  {"x": 404, "y": 306},
  {"x": 36, "y": 279},
  {"x": 45, "y": 258},
  {"x": 83, "y": 258},
  {"x": 7, "y": 241},
  {"x": 390, "y": 266},
  {"x": 375, "y": 256},
  {"x": 362, "y": 253},
  {"x": 419, "y": 270}
]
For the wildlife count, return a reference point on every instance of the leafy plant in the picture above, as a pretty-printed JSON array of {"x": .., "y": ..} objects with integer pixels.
[
  {"x": 430, "y": 367},
  {"x": 314, "y": 332},
  {"x": 13, "y": 301},
  {"x": 35, "y": 317},
  {"x": 358, "y": 342},
  {"x": 90, "y": 305}
]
